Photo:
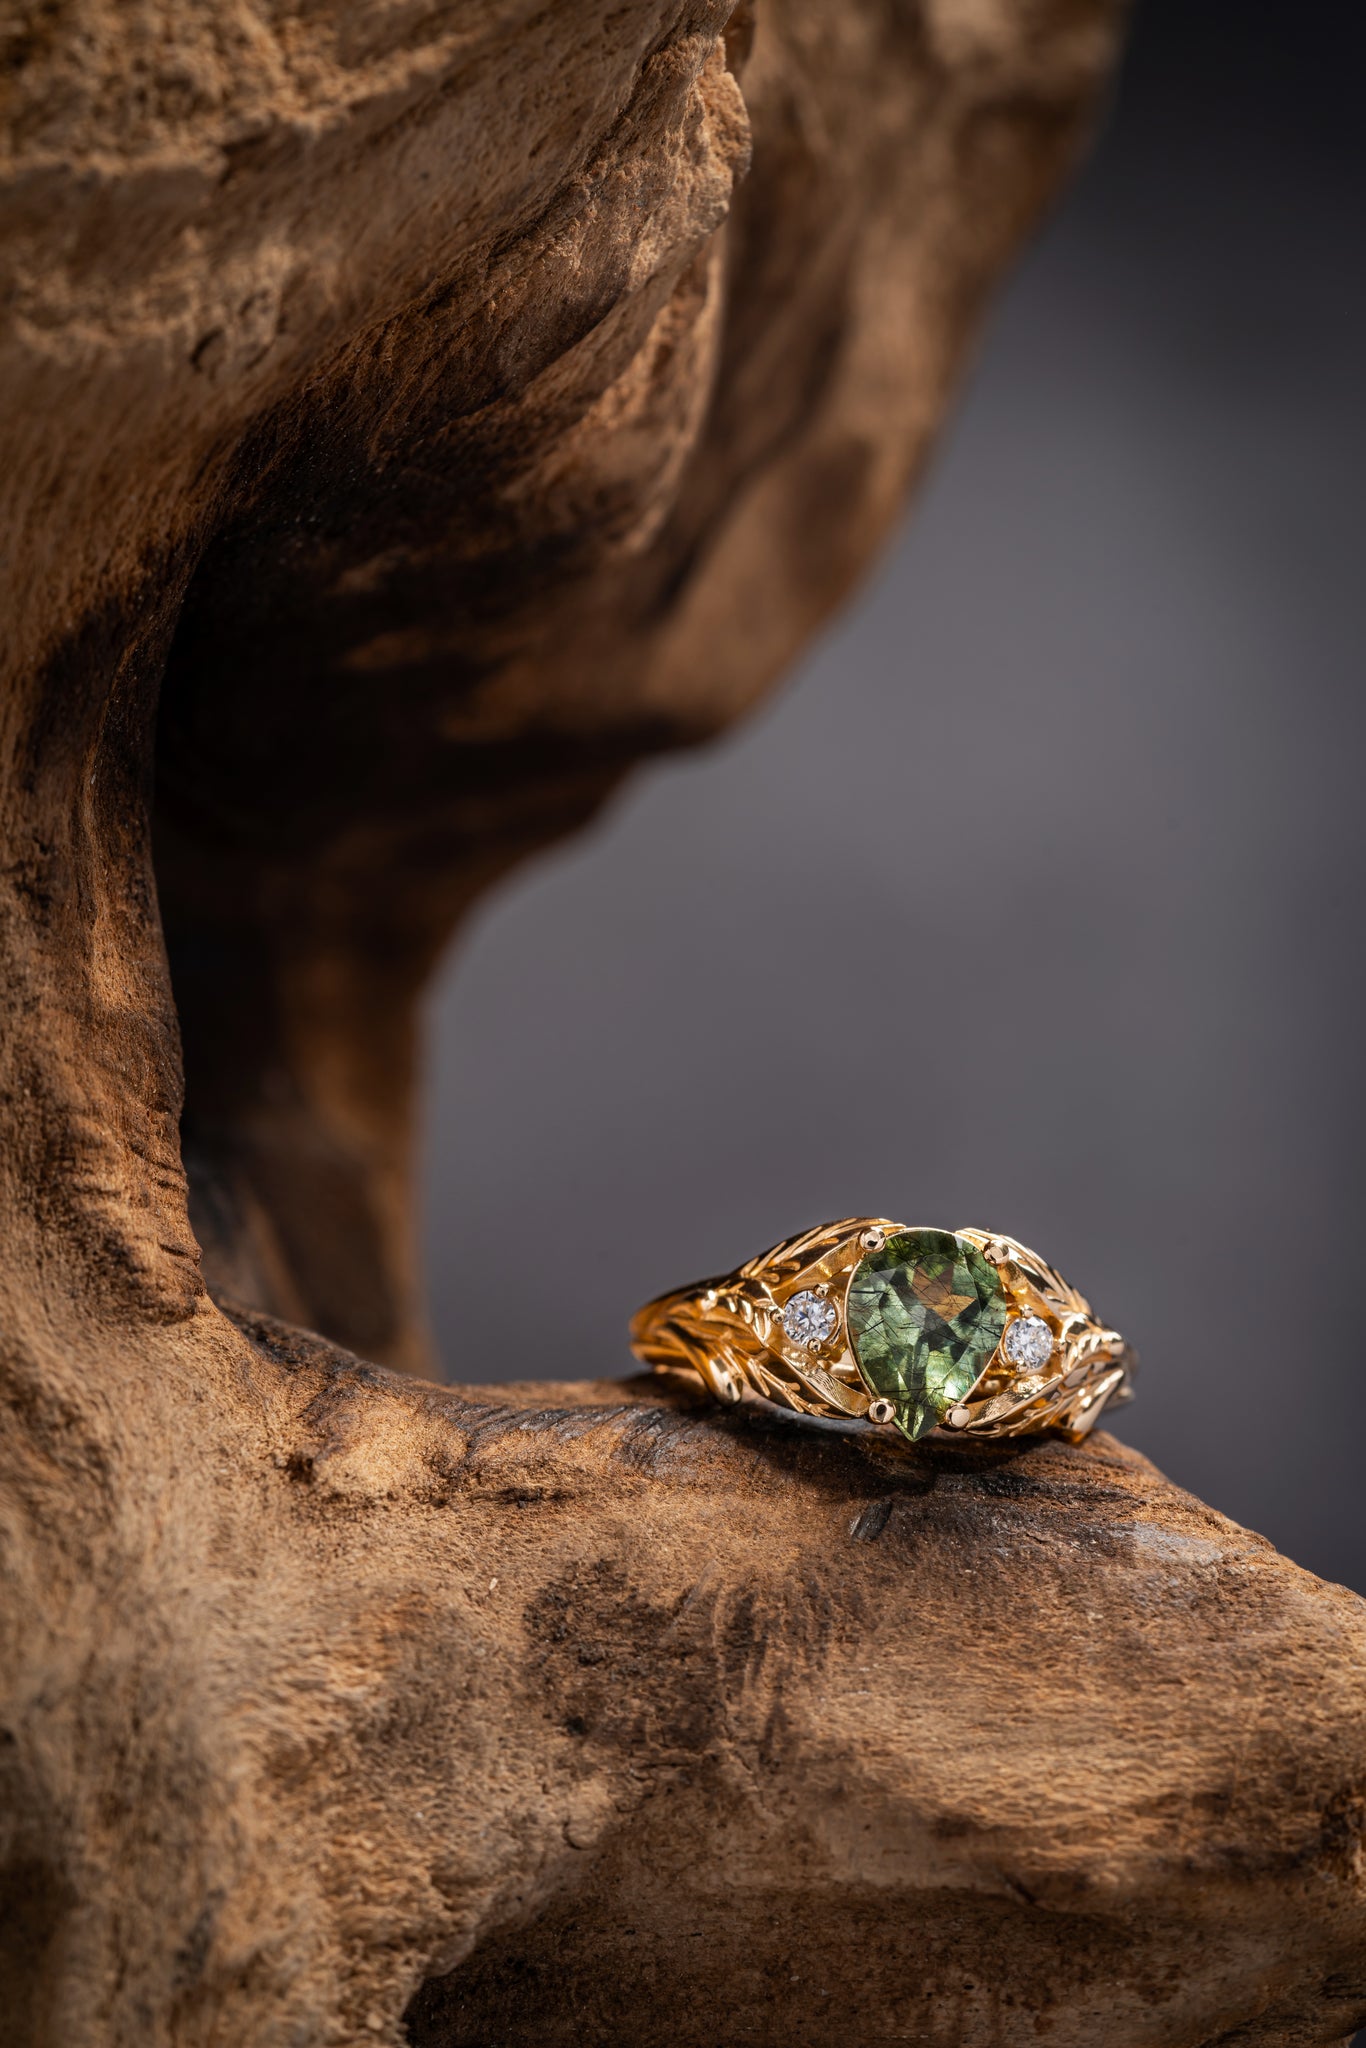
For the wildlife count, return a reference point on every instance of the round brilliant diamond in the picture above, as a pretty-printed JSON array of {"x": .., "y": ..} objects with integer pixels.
[
  {"x": 809, "y": 1319},
  {"x": 1028, "y": 1342}
]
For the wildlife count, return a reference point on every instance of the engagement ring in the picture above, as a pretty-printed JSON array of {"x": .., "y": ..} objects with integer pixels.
[{"x": 866, "y": 1320}]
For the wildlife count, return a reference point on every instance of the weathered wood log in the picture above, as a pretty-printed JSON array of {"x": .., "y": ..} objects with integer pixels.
[
  {"x": 441, "y": 413},
  {"x": 410, "y": 421},
  {"x": 568, "y": 1714}
]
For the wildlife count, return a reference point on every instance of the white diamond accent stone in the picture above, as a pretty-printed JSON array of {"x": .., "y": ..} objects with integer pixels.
[
  {"x": 1028, "y": 1342},
  {"x": 809, "y": 1319}
]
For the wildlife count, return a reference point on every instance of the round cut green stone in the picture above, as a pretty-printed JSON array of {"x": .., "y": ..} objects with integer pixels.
[{"x": 924, "y": 1314}]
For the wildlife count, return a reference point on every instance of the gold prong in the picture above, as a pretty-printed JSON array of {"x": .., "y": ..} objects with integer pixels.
[{"x": 881, "y": 1412}]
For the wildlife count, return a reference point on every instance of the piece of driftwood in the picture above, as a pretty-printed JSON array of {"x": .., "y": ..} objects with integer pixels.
[
  {"x": 438, "y": 410},
  {"x": 411, "y": 418},
  {"x": 565, "y": 1714}
]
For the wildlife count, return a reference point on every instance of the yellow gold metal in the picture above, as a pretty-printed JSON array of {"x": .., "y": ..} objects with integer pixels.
[{"x": 729, "y": 1331}]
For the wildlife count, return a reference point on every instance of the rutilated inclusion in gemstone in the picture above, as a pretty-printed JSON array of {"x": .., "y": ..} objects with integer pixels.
[{"x": 925, "y": 1312}]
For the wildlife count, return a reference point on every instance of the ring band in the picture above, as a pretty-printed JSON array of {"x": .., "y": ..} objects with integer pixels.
[{"x": 867, "y": 1320}]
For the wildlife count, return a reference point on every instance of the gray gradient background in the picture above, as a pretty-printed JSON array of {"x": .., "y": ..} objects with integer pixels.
[{"x": 1039, "y": 889}]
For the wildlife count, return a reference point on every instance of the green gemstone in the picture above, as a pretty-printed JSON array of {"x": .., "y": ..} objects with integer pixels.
[{"x": 924, "y": 1314}]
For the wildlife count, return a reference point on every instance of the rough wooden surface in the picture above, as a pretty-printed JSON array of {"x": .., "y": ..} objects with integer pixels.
[
  {"x": 412, "y": 417},
  {"x": 444, "y": 408},
  {"x": 565, "y": 1715}
]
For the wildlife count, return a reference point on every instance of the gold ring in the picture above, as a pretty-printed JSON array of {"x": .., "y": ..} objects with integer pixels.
[{"x": 870, "y": 1321}]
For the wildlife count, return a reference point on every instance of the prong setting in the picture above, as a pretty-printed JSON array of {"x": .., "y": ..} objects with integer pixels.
[
  {"x": 810, "y": 1319},
  {"x": 1027, "y": 1343}
]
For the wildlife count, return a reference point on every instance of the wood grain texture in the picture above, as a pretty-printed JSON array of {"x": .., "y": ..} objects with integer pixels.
[
  {"x": 424, "y": 414},
  {"x": 413, "y": 417},
  {"x": 564, "y": 1714}
]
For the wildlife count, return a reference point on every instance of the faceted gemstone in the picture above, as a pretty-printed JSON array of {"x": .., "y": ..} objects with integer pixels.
[
  {"x": 1028, "y": 1342},
  {"x": 809, "y": 1319},
  {"x": 925, "y": 1314}
]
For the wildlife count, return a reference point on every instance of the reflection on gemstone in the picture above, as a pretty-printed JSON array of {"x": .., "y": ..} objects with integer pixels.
[{"x": 925, "y": 1313}]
